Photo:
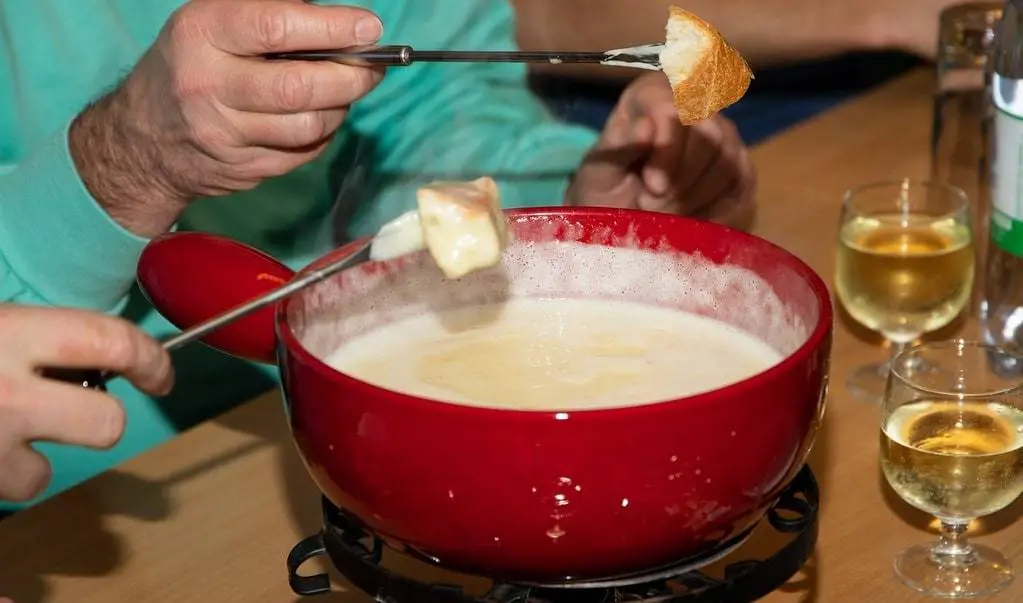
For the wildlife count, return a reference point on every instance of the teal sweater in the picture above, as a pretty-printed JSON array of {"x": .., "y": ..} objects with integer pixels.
[{"x": 57, "y": 247}]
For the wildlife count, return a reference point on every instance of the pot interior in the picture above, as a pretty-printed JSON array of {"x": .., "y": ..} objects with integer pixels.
[{"x": 660, "y": 261}]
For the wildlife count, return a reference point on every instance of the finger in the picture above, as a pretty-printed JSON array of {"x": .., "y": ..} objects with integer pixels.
[
  {"x": 618, "y": 129},
  {"x": 57, "y": 412},
  {"x": 256, "y": 28},
  {"x": 738, "y": 205},
  {"x": 266, "y": 86},
  {"x": 736, "y": 212},
  {"x": 746, "y": 183},
  {"x": 718, "y": 179},
  {"x": 36, "y": 338},
  {"x": 297, "y": 131},
  {"x": 276, "y": 162},
  {"x": 25, "y": 474},
  {"x": 610, "y": 163},
  {"x": 703, "y": 145},
  {"x": 666, "y": 155},
  {"x": 729, "y": 211},
  {"x": 643, "y": 135}
]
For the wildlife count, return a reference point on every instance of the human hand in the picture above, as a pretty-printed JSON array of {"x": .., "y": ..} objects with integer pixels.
[
  {"x": 647, "y": 160},
  {"x": 203, "y": 113},
  {"x": 34, "y": 408}
]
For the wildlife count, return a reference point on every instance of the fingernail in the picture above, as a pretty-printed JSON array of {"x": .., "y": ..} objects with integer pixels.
[{"x": 368, "y": 30}]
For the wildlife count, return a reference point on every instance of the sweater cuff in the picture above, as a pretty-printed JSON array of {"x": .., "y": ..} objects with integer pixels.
[{"x": 58, "y": 239}]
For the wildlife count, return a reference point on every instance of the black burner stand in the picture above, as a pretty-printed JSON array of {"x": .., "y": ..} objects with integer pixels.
[{"x": 343, "y": 541}]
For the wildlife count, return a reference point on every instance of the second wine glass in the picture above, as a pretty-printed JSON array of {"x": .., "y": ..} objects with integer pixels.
[
  {"x": 952, "y": 446},
  {"x": 905, "y": 265}
]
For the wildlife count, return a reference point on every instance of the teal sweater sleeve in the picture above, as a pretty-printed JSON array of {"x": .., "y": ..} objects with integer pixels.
[
  {"x": 458, "y": 121},
  {"x": 57, "y": 245}
]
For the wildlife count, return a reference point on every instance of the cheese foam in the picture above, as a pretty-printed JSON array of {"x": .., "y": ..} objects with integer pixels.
[{"x": 554, "y": 355}]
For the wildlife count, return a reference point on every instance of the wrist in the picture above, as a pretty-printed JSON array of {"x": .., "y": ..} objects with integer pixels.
[{"x": 120, "y": 169}]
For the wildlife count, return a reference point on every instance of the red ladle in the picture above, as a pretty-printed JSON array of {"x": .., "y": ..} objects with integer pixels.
[
  {"x": 193, "y": 277},
  {"x": 215, "y": 290}
]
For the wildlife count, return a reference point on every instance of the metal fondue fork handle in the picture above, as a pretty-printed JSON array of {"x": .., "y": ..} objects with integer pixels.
[
  {"x": 97, "y": 379},
  {"x": 642, "y": 57}
]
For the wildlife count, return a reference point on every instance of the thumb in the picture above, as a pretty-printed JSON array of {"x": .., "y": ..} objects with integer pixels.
[{"x": 623, "y": 144}]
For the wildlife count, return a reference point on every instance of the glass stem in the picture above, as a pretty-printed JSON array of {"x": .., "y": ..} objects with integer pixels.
[
  {"x": 953, "y": 549},
  {"x": 896, "y": 348}
]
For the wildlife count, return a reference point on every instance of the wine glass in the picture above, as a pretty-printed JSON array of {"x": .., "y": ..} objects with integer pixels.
[
  {"x": 905, "y": 265},
  {"x": 952, "y": 446}
]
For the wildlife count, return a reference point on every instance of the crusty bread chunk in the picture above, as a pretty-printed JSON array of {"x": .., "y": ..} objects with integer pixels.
[
  {"x": 705, "y": 72},
  {"x": 463, "y": 226}
]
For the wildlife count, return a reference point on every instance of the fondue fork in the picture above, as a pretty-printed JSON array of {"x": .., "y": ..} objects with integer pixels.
[{"x": 646, "y": 56}]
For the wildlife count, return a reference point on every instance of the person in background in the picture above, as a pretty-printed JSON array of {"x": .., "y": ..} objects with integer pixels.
[
  {"x": 170, "y": 116},
  {"x": 35, "y": 409},
  {"x": 808, "y": 55},
  {"x": 768, "y": 33}
]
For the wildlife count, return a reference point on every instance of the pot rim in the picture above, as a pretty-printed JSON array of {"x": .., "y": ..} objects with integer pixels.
[{"x": 744, "y": 389}]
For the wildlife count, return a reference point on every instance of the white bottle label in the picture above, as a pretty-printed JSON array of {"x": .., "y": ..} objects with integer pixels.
[{"x": 1007, "y": 165}]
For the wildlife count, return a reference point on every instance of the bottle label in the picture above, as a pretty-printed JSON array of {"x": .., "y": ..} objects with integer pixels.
[{"x": 1007, "y": 166}]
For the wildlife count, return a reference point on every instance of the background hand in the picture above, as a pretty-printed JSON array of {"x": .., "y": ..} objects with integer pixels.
[
  {"x": 647, "y": 160},
  {"x": 204, "y": 114},
  {"x": 33, "y": 408}
]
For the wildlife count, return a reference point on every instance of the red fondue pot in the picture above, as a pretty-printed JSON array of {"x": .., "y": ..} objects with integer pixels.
[{"x": 528, "y": 495}]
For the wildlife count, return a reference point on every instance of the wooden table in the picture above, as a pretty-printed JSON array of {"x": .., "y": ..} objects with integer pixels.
[{"x": 211, "y": 515}]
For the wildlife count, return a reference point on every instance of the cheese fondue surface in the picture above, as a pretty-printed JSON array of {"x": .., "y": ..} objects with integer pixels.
[{"x": 554, "y": 354}]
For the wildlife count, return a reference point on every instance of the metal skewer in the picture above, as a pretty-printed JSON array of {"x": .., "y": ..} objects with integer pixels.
[{"x": 640, "y": 57}]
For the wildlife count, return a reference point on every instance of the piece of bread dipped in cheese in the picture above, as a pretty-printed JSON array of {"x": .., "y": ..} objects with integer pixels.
[
  {"x": 706, "y": 74},
  {"x": 463, "y": 226}
]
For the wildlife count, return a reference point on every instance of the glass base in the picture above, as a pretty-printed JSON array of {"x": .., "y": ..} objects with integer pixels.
[
  {"x": 985, "y": 572},
  {"x": 868, "y": 382}
]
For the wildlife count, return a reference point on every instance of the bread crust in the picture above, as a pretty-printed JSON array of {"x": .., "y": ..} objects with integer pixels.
[{"x": 718, "y": 79}]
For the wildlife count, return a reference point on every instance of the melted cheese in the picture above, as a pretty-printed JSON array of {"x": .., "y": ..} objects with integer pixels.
[
  {"x": 554, "y": 354},
  {"x": 463, "y": 226},
  {"x": 459, "y": 223}
]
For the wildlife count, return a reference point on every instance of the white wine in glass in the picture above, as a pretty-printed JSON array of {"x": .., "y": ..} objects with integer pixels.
[
  {"x": 952, "y": 446},
  {"x": 905, "y": 265}
]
